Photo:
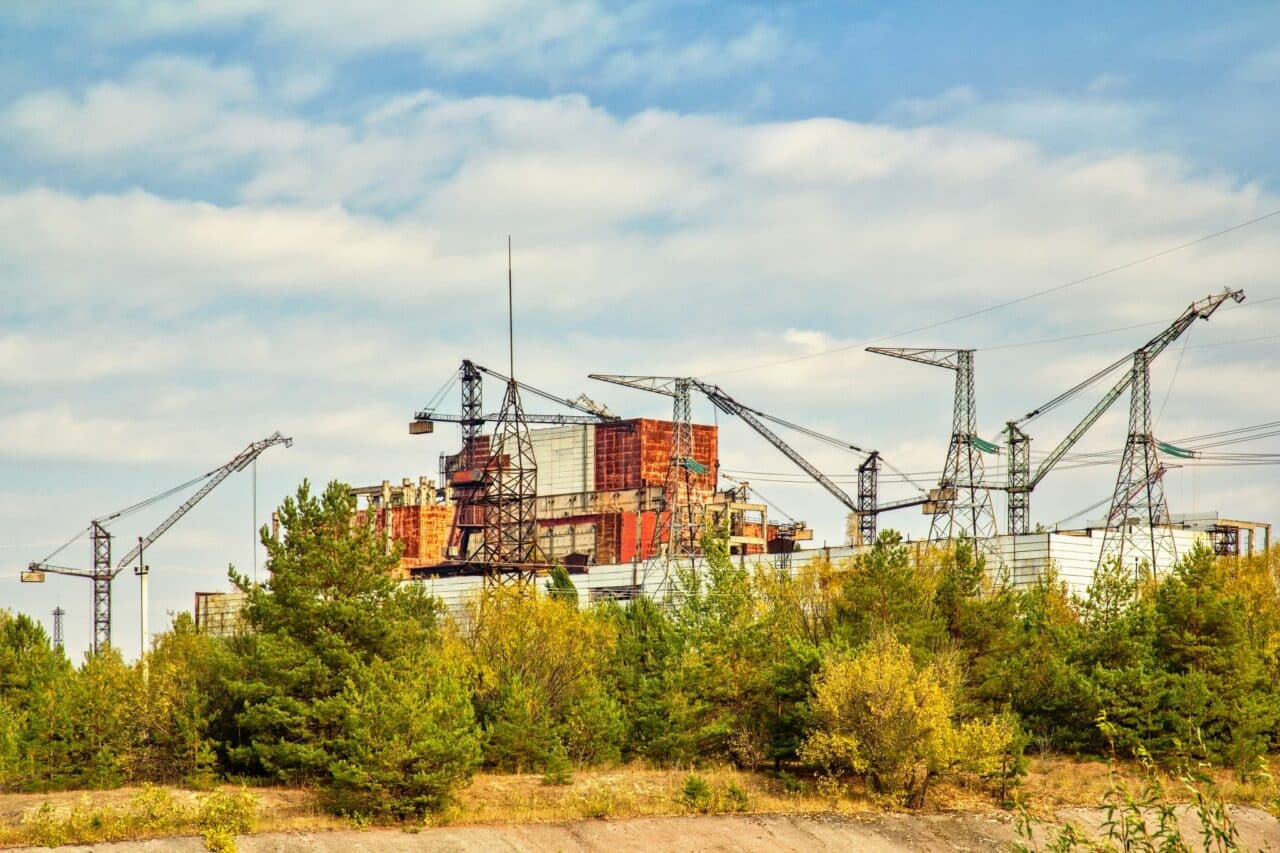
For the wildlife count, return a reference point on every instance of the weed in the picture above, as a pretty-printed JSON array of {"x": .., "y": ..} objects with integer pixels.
[
  {"x": 598, "y": 803},
  {"x": 1146, "y": 818},
  {"x": 831, "y": 789},
  {"x": 790, "y": 783},
  {"x": 696, "y": 793},
  {"x": 222, "y": 816},
  {"x": 738, "y": 799},
  {"x": 558, "y": 773}
]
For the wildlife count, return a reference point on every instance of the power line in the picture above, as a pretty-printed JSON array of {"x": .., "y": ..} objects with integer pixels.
[
  {"x": 1072, "y": 337},
  {"x": 999, "y": 305}
]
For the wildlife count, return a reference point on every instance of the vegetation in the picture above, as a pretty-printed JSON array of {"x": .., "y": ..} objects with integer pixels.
[{"x": 896, "y": 669}]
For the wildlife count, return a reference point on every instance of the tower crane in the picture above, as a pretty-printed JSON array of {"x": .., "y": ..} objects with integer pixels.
[
  {"x": 1022, "y": 481},
  {"x": 866, "y": 506},
  {"x": 464, "y": 470},
  {"x": 471, "y": 376},
  {"x": 963, "y": 508},
  {"x": 103, "y": 572}
]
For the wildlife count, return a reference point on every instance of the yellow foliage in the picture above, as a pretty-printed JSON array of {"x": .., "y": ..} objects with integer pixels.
[
  {"x": 879, "y": 714},
  {"x": 508, "y": 632}
]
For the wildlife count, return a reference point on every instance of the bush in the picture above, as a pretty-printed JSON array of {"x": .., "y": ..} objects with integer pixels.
[
  {"x": 224, "y": 815},
  {"x": 696, "y": 793},
  {"x": 878, "y": 714},
  {"x": 738, "y": 799}
]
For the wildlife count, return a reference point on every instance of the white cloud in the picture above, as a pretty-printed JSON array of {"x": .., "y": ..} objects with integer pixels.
[
  {"x": 689, "y": 207},
  {"x": 350, "y": 266},
  {"x": 1095, "y": 118},
  {"x": 665, "y": 64}
]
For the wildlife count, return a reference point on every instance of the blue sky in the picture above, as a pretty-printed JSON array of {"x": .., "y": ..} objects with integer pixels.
[{"x": 225, "y": 217}]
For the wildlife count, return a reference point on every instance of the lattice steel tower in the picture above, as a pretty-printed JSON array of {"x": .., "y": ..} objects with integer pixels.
[
  {"x": 963, "y": 509},
  {"x": 868, "y": 486},
  {"x": 679, "y": 496},
  {"x": 102, "y": 576},
  {"x": 1138, "y": 523},
  {"x": 58, "y": 613}
]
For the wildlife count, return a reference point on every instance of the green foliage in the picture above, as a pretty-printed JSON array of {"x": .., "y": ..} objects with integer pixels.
[
  {"x": 902, "y": 664},
  {"x": 153, "y": 811},
  {"x": 1145, "y": 817},
  {"x": 696, "y": 793},
  {"x": 223, "y": 815},
  {"x": 185, "y": 696},
  {"x": 560, "y": 585},
  {"x": 408, "y": 739},
  {"x": 538, "y": 667},
  {"x": 886, "y": 590},
  {"x": 329, "y": 610}
]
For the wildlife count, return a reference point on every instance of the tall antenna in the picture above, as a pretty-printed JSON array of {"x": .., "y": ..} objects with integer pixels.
[{"x": 511, "y": 323}]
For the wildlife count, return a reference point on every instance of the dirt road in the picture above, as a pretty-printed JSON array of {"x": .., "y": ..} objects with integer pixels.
[{"x": 876, "y": 833}]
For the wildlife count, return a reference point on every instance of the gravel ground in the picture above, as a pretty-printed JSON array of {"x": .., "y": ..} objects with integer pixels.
[{"x": 877, "y": 833}]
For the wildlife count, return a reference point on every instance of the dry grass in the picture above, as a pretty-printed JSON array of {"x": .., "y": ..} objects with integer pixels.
[
  {"x": 1056, "y": 783},
  {"x": 623, "y": 792},
  {"x": 635, "y": 792}
]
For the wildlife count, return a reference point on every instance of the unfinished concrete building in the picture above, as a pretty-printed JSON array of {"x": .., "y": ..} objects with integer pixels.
[{"x": 599, "y": 500}]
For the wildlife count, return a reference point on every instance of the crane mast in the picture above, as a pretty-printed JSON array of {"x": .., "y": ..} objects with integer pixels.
[
  {"x": 963, "y": 509},
  {"x": 1021, "y": 479}
]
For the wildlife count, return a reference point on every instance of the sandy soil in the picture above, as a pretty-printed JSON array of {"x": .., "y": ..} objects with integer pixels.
[{"x": 875, "y": 833}]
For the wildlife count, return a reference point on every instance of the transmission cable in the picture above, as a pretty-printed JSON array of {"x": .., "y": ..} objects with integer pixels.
[
  {"x": 996, "y": 307},
  {"x": 65, "y": 545}
]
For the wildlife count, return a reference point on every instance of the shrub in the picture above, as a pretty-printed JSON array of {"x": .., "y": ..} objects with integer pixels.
[
  {"x": 878, "y": 714},
  {"x": 223, "y": 815},
  {"x": 408, "y": 740},
  {"x": 696, "y": 793}
]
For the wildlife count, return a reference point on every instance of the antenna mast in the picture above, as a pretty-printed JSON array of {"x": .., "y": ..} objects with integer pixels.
[{"x": 511, "y": 480}]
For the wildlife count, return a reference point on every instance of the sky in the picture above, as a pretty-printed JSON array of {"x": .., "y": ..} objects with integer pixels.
[{"x": 222, "y": 218}]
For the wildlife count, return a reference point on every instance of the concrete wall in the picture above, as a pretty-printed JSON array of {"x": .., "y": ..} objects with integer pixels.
[
  {"x": 566, "y": 458},
  {"x": 1022, "y": 559},
  {"x": 1074, "y": 557}
]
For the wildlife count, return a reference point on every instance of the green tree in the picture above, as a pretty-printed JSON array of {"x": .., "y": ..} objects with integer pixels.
[
  {"x": 1218, "y": 689},
  {"x": 407, "y": 739},
  {"x": 886, "y": 590},
  {"x": 87, "y": 730},
  {"x": 538, "y": 667},
  {"x": 639, "y": 674},
  {"x": 329, "y": 609},
  {"x": 1039, "y": 676},
  {"x": 561, "y": 586},
  {"x": 186, "y": 703},
  {"x": 981, "y": 618}
]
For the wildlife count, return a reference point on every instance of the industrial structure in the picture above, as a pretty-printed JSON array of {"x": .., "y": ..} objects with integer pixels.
[
  {"x": 961, "y": 504},
  {"x": 618, "y": 501},
  {"x": 613, "y": 492},
  {"x": 103, "y": 572},
  {"x": 1021, "y": 479}
]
